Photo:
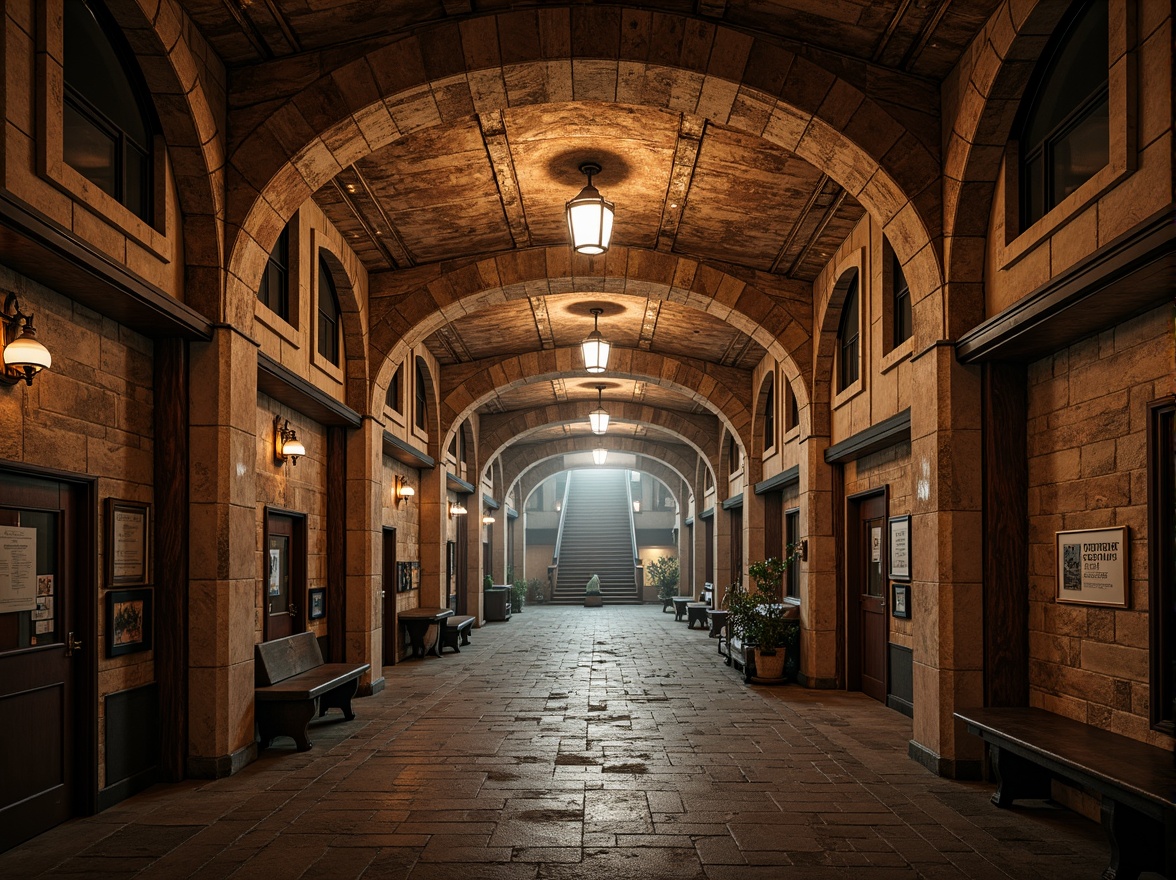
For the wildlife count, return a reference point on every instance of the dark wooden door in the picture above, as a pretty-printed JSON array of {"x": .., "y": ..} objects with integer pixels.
[
  {"x": 867, "y": 591},
  {"x": 285, "y": 575},
  {"x": 45, "y": 646},
  {"x": 389, "y": 584}
]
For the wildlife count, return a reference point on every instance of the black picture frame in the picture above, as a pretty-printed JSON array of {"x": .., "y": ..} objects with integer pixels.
[
  {"x": 127, "y": 547},
  {"x": 900, "y": 601},
  {"x": 129, "y": 621},
  {"x": 408, "y": 576},
  {"x": 898, "y": 546},
  {"x": 316, "y": 606}
]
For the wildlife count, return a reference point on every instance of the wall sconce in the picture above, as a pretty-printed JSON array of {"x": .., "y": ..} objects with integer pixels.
[
  {"x": 487, "y": 519},
  {"x": 636, "y": 506},
  {"x": 558, "y": 506},
  {"x": 401, "y": 491},
  {"x": 23, "y": 355},
  {"x": 287, "y": 446},
  {"x": 456, "y": 508}
]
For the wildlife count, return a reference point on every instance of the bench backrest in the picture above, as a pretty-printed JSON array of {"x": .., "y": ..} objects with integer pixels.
[{"x": 282, "y": 658}]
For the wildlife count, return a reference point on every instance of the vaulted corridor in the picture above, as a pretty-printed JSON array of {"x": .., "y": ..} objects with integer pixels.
[{"x": 579, "y": 743}]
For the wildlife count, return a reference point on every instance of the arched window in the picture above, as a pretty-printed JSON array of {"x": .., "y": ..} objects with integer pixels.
[
  {"x": 792, "y": 419},
  {"x": 274, "y": 290},
  {"x": 847, "y": 338},
  {"x": 1063, "y": 134},
  {"x": 901, "y": 326},
  {"x": 107, "y": 130},
  {"x": 393, "y": 399},
  {"x": 328, "y": 315},
  {"x": 421, "y": 410},
  {"x": 770, "y": 412}
]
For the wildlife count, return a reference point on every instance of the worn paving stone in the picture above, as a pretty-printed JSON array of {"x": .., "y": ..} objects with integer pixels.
[{"x": 565, "y": 744}]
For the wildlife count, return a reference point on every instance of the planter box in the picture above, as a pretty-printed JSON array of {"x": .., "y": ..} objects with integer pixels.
[{"x": 593, "y": 601}]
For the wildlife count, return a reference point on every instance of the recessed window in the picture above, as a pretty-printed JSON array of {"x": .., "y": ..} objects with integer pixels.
[
  {"x": 734, "y": 454},
  {"x": 274, "y": 290},
  {"x": 900, "y": 304},
  {"x": 791, "y": 411},
  {"x": 792, "y": 538},
  {"x": 107, "y": 130},
  {"x": 1063, "y": 135},
  {"x": 393, "y": 399},
  {"x": 328, "y": 315},
  {"x": 847, "y": 337},
  {"x": 769, "y": 414},
  {"x": 421, "y": 399}
]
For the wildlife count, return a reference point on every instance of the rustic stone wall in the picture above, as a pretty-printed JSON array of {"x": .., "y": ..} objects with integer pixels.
[{"x": 1088, "y": 469}]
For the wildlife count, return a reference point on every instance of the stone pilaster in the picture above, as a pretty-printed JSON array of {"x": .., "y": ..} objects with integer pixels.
[{"x": 366, "y": 498}]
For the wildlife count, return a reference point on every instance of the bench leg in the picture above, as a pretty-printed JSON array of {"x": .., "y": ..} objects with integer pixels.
[
  {"x": 287, "y": 718},
  {"x": 1017, "y": 778},
  {"x": 465, "y": 634},
  {"x": 1137, "y": 841},
  {"x": 449, "y": 639},
  {"x": 339, "y": 698}
]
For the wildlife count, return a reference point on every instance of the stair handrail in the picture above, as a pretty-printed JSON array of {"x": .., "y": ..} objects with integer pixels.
[
  {"x": 632, "y": 521},
  {"x": 563, "y": 512}
]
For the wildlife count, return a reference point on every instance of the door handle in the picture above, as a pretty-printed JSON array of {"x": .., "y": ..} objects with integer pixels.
[
  {"x": 72, "y": 643},
  {"x": 292, "y": 609}
]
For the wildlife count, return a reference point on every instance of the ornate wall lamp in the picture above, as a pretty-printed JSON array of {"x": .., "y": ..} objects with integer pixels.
[
  {"x": 287, "y": 446},
  {"x": 401, "y": 491},
  {"x": 487, "y": 518},
  {"x": 590, "y": 216},
  {"x": 594, "y": 347},
  {"x": 456, "y": 508},
  {"x": 23, "y": 355},
  {"x": 598, "y": 418},
  {"x": 636, "y": 506}
]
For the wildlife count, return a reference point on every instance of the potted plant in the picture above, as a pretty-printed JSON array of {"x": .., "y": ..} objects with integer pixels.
[
  {"x": 536, "y": 590},
  {"x": 592, "y": 597},
  {"x": 663, "y": 573},
  {"x": 518, "y": 595},
  {"x": 487, "y": 582},
  {"x": 762, "y": 619}
]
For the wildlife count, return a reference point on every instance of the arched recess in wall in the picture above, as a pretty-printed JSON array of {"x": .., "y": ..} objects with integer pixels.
[
  {"x": 425, "y": 406},
  {"x": 828, "y": 355},
  {"x": 354, "y": 336},
  {"x": 765, "y": 434}
]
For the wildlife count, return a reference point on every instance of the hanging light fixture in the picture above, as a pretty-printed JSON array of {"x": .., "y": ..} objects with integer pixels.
[
  {"x": 22, "y": 357},
  {"x": 590, "y": 216},
  {"x": 594, "y": 347},
  {"x": 598, "y": 418},
  {"x": 599, "y": 454}
]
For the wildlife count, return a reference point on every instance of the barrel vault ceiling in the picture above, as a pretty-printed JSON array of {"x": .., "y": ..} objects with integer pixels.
[{"x": 496, "y": 182}]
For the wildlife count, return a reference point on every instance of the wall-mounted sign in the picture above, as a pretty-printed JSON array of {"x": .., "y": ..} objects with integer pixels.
[
  {"x": 900, "y": 547},
  {"x": 18, "y": 569},
  {"x": 1092, "y": 567}
]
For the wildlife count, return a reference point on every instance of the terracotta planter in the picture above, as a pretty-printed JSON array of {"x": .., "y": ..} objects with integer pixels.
[{"x": 769, "y": 665}]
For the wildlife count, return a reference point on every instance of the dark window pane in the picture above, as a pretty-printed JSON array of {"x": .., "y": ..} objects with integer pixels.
[
  {"x": 90, "y": 150},
  {"x": 770, "y": 416},
  {"x": 274, "y": 290},
  {"x": 1076, "y": 69},
  {"x": 93, "y": 69},
  {"x": 392, "y": 398},
  {"x": 901, "y": 307},
  {"x": 328, "y": 312},
  {"x": 1081, "y": 151},
  {"x": 848, "y": 334},
  {"x": 138, "y": 182},
  {"x": 421, "y": 415},
  {"x": 1033, "y": 188},
  {"x": 792, "y": 537}
]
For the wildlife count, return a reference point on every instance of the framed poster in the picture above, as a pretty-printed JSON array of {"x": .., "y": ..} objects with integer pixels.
[
  {"x": 1092, "y": 567},
  {"x": 317, "y": 603},
  {"x": 900, "y": 600},
  {"x": 899, "y": 536},
  {"x": 408, "y": 576},
  {"x": 128, "y": 542},
  {"x": 128, "y": 622}
]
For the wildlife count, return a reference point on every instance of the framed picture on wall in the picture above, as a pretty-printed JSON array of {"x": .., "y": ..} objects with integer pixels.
[
  {"x": 900, "y": 600},
  {"x": 128, "y": 622},
  {"x": 1092, "y": 567},
  {"x": 128, "y": 542},
  {"x": 899, "y": 545},
  {"x": 317, "y": 606}
]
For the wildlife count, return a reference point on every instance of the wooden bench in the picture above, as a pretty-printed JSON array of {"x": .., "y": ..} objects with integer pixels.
[
  {"x": 1029, "y": 747},
  {"x": 455, "y": 627},
  {"x": 290, "y": 679}
]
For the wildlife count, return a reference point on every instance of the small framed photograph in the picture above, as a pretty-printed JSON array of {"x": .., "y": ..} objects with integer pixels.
[
  {"x": 128, "y": 622},
  {"x": 408, "y": 576},
  {"x": 900, "y": 601},
  {"x": 128, "y": 542},
  {"x": 1092, "y": 567},
  {"x": 317, "y": 603},
  {"x": 899, "y": 545}
]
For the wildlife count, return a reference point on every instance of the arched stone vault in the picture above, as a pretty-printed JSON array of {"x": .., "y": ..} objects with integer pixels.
[
  {"x": 354, "y": 106},
  {"x": 541, "y": 471}
]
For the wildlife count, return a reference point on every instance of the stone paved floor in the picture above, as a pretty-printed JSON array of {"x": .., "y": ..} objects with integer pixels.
[{"x": 579, "y": 743}]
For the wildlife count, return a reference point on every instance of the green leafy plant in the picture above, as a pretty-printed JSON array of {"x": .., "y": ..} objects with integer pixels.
[
  {"x": 757, "y": 616},
  {"x": 536, "y": 590},
  {"x": 664, "y": 574},
  {"x": 487, "y": 582},
  {"x": 518, "y": 594},
  {"x": 593, "y": 588}
]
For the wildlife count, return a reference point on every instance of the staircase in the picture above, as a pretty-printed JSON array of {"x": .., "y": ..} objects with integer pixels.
[{"x": 597, "y": 539}]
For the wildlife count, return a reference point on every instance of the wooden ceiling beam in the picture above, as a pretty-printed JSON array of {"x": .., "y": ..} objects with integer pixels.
[
  {"x": 690, "y": 131},
  {"x": 543, "y": 328},
  {"x": 712, "y": 8},
  {"x": 502, "y": 166},
  {"x": 649, "y": 324},
  {"x": 352, "y": 186},
  {"x": 249, "y": 30},
  {"x": 884, "y": 40},
  {"x": 924, "y": 37},
  {"x": 797, "y": 224},
  {"x": 830, "y": 212}
]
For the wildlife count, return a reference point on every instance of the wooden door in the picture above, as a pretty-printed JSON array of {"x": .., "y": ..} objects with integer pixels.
[
  {"x": 285, "y": 575},
  {"x": 46, "y": 641},
  {"x": 866, "y": 593},
  {"x": 389, "y": 584}
]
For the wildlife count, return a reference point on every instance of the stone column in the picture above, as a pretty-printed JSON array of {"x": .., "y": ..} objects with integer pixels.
[
  {"x": 946, "y": 564},
  {"x": 434, "y": 529},
  {"x": 820, "y": 664},
  {"x": 366, "y": 497},
  {"x": 224, "y": 565}
]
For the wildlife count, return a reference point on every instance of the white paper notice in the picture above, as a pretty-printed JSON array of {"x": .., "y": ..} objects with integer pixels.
[
  {"x": 18, "y": 569},
  {"x": 876, "y": 544}
]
